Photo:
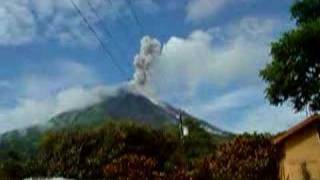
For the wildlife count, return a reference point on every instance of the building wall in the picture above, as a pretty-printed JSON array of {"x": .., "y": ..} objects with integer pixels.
[{"x": 301, "y": 156}]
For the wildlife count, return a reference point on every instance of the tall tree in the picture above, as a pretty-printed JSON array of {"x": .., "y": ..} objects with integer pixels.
[{"x": 294, "y": 73}]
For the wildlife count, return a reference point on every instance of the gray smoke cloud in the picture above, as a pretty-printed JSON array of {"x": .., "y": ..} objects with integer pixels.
[{"x": 150, "y": 51}]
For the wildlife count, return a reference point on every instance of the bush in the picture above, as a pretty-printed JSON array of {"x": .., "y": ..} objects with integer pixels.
[
  {"x": 134, "y": 166},
  {"x": 83, "y": 154},
  {"x": 13, "y": 166},
  {"x": 131, "y": 166},
  {"x": 249, "y": 157},
  {"x": 131, "y": 151},
  {"x": 198, "y": 143}
]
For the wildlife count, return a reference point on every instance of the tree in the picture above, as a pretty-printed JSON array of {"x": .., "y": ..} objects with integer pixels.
[
  {"x": 247, "y": 157},
  {"x": 136, "y": 166},
  {"x": 306, "y": 11},
  {"x": 131, "y": 166},
  {"x": 294, "y": 73},
  {"x": 198, "y": 143},
  {"x": 90, "y": 153}
]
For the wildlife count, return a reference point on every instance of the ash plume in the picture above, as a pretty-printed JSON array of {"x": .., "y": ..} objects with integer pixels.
[{"x": 150, "y": 51}]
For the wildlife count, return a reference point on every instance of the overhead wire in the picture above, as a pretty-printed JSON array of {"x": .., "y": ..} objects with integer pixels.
[
  {"x": 104, "y": 47},
  {"x": 135, "y": 16},
  {"x": 100, "y": 41},
  {"x": 123, "y": 24},
  {"x": 94, "y": 10},
  {"x": 104, "y": 26}
]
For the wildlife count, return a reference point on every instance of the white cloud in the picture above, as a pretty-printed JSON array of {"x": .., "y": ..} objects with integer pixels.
[
  {"x": 16, "y": 23},
  {"x": 25, "y": 21},
  {"x": 78, "y": 98},
  {"x": 233, "y": 100},
  {"x": 220, "y": 109},
  {"x": 244, "y": 110},
  {"x": 64, "y": 75},
  {"x": 40, "y": 96},
  {"x": 228, "y": 59},
  {"x": 32, "y": 111},
  {"x": 27, "y": 113},
  {"x": 200, "y": 9},
  {"x": 266, "y": 118},
  {"x": 219, "y": 56}
]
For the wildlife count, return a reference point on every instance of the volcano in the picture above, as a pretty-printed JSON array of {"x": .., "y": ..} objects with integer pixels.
[
  {"x": 127, "y": 105},
  {"x": 124, "y": 105}
]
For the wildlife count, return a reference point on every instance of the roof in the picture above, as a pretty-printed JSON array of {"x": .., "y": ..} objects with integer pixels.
[{"x": 305, "y": 123}]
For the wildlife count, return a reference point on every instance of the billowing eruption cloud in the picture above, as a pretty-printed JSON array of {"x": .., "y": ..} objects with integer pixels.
[{"x": 150, "y": 51}]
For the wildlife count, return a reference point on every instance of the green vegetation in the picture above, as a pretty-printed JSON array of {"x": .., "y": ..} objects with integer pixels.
[
  {"x": 124, "y": 105},
  {"x": 126, "y": 149},
  {"x": 80, "y": 143},
  {"x": 248, "y": 157},
  {"x": 25, "y": 142},
  {"x": 293, "y": 74}
]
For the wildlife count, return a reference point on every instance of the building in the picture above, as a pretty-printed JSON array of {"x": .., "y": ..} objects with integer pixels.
[{"x": 300, "y": 146}]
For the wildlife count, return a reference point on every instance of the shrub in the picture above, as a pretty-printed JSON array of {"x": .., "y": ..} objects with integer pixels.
[
  {"x": 132, "y": 151},
  {"x": 131, "y": 166},
  {"x": 198, "y": 143},
  {"x": 134, "y": 166},
  {"x": 246, "y": 157},
  {"x": 83, "y": 154}
]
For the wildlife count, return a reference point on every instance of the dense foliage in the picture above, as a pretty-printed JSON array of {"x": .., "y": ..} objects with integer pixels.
[
  {"x": 199, "y": 143},
  {"x": 83, "y": 153},
  {"x": 249, "y": 157},
  {"x": 293, "y": 75},
  {"x": 305, "y": 11},
  {"x": 127, "y": 150},
  {"x": 17, "y": 141},
  {"x": 134, "y": 166}
]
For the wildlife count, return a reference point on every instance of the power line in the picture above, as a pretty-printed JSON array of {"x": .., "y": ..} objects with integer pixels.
[
  {"x": 94, "y": 10},
  {"x": 105, "y": 28},
  {"x": 122, "y": 23},
  {"x": 107, "y": 31},
  {"x": 135, "y": 16},
  {"x": 93, "y": 31}
]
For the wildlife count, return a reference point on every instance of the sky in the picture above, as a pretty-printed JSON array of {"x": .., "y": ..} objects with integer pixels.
[{"x": 208, "y": 63}]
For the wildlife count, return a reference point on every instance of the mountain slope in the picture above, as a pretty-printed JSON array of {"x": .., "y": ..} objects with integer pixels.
[{"x": 125, "y": 105}]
